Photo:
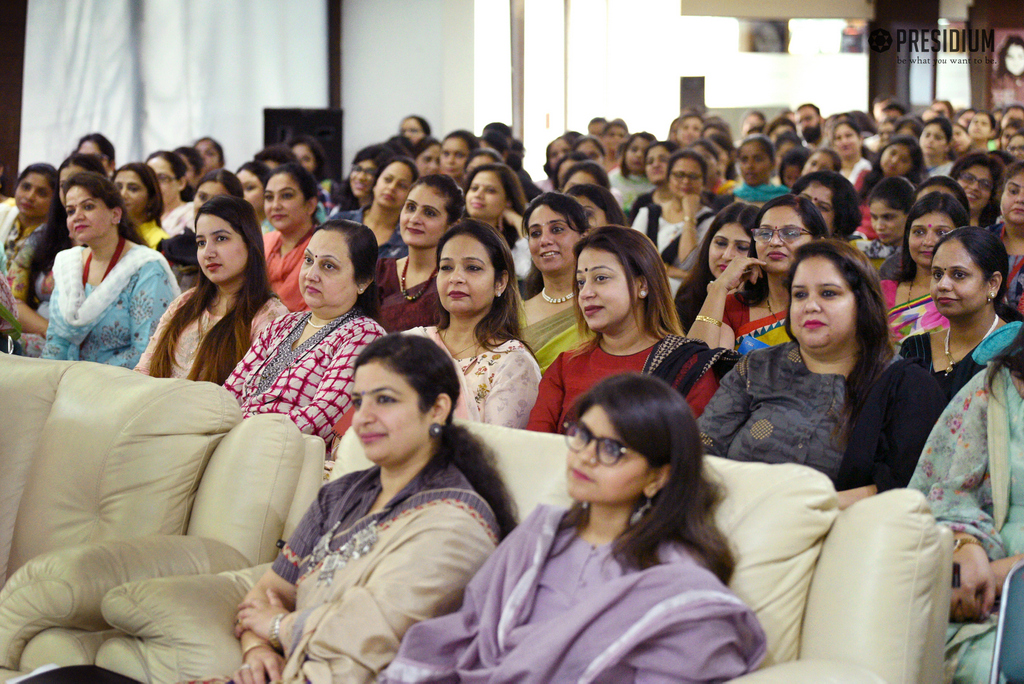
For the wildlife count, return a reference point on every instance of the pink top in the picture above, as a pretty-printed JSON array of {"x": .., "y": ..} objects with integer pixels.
[
  {"x": 190, "y": 338},
  {"x": 911, "y": 318},
  {"x": 313, "y": 388}
]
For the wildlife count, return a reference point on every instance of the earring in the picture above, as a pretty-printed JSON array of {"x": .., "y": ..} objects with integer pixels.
[
  {"x": 639, "y": 513},
  {"x": 643, "y": 293},
  {"x": 435, "y": 430},
  {"x": 991, "y": 296}
]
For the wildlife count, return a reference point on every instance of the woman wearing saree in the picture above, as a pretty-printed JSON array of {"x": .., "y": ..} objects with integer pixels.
[
  {"x": 912, "y": 310},
  {"x": 554, "y": 224},
  {"x": 383, "y": 548},
  {"x": 755, "y": 316}
]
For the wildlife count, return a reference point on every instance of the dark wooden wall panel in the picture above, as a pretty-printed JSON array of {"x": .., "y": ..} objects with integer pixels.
[{"x": 12, "y": 57}]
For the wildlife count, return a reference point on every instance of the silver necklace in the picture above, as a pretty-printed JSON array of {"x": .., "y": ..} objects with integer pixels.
[{"x": 555, "y": 300}]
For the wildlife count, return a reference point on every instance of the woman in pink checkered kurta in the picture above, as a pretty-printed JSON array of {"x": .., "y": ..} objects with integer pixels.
[{"x": 301, "y": 364}]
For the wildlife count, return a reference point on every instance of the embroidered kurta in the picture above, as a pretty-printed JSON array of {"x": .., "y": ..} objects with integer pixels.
[
  {"x": 112, "y": 322},
  {"x": 310, "y": 384},
  {"x": 192, "y": 335},
  {"x": 31, "y": 291},
  {"x": 547, "y": 608},
  {"x": 499, "y": 386}
]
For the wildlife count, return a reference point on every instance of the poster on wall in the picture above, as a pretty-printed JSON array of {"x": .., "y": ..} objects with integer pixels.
[{"x": 1007, "y": 84}]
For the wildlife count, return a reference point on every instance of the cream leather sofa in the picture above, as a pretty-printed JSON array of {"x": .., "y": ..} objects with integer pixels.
[
  {"x": 110, "y": 477},
  {"x": 860, "y": 595}
]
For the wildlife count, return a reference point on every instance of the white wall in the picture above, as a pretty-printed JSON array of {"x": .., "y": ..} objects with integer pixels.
[
  {"x": 154, "y": 74},
  {"x": 402, "y": 57}
]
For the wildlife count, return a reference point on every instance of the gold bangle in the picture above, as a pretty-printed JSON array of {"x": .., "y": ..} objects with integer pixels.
[
  {"x": 707, "y": 319},
  {"x": 961, "y": 542},
  {"x": 252, "y": 646}
]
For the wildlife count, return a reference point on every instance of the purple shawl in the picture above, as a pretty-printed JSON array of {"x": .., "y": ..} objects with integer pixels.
[{"x": 673, "y": 622}]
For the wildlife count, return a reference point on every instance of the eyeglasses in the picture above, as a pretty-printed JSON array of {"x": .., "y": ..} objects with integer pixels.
[
  {"x": 609, "y": 451},
  {"x": 681, "y": 176},
  {"x": 364, "y": 170},
  {"x": 969, "y": 178},
  {"x": 786, "y": 233}
]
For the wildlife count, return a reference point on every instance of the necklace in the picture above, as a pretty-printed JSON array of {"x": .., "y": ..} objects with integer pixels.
[
  {"x": 555, "y": 300},
  {"x": 110, "y": 267},
  {"x": 949, "y": 357},
  {"x": 456, "y": 355},
  {"x": 401, "y": 284},
  {"x": 311, "y": 324}
]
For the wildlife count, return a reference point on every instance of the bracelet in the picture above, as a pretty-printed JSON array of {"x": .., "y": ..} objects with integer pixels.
[
  {"x": 275, "y": 632},
  {"x": 961, "y": 542},
  {"x": 707, "y": 319},
  {"x": 256, "y": 645}
]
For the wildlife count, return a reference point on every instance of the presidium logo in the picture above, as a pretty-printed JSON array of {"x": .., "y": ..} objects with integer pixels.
[{"x": 937, "y": 40}]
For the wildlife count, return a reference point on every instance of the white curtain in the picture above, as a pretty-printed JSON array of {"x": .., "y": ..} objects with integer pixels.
[{"x": 157, "y": 74}]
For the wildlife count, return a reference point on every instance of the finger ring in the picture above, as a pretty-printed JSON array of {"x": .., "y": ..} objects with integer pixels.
[{"x": 245, "y": 666}]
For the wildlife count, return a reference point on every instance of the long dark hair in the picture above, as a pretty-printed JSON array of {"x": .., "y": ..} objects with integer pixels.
[
  {"x": 846, "y": 212},
  {"x": 178, "y": 167},
  {"x": 54, "y": 237},
  {"x": 933, "y": 202},
  {"x": 103, "y": 189},
  {"x": 916, "y": 174},
  {"x": 652, "y": 418},
  {"x": 155, "y": 201},
  {"x": 430, "y": 372},
  {"x": 501, "y": 323},
  {"x": 874, "y": 342},
  {"x": 513, "y": 194},
  {"x": 691, "y": 295},
  {"x": 753, "y": 294},
  {"x": 362, "y": 250},
  {"x": 989, "y": 254},
  {"x": 229, "y": 339},
  {"x": 574, "y": 215},
  {"x": 603, "y": 199}
]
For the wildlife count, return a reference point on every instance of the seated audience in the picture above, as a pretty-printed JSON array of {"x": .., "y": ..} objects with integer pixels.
[
  {"x": 889, "y": 204},
  {"x": 847, "y": 142},
  {"x": 833, "y": 399},
  {"x": 216, "y": 183},
  {"x": 213, "y": 155},
  {"x": 301, "y": 364},
  {"x": 554, "y": 223},
  {"x": 968, "y": 285},
  {"x": 656, "y": 170},
  {"x": 109, "y": 295},
  {"x": 313, "y": 158},
  {"x": 427, "y": 153},
  {"x": 908, "y": 296},
  {"x": 390, "y": 190},
  {"x": 936, "y": 141},
  {"x": 290, "y": 202},
  {"x": 143, "y": 201},
  {"x": 791, "y": 165},
  {"x": 98, "y": 145},
  {"x": 253, "y": 176},
  {"x": 823, "y": 159},
  {"x": 1011, "y": 231},
  {"x": 356, "y": 189},
  {"x": 627, "y": 323},
  {"x": 171, "y": 173},
  {"x": 969, "y": 471},
  {"x": 753, "y": 316},
  {"x": 383, "y": 548},
  {"x": 455, "y": 149},
  {"x": 728, "y": 240},
  {"x": 408, "y": 286},
  {"x": 31, "y": 272},
  {"x": 640, "y": 532},
  {"x": 208, "y": 329},
  {"x": 495, "y": 197},
  {"x": 478, "y": 326},
  {"x": 900, "y": 157}
]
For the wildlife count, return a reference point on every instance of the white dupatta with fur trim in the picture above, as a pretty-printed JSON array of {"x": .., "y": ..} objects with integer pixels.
[{"x": 80, "y": 312}]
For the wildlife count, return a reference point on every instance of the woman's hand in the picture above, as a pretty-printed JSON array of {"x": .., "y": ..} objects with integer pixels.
[
  {"x": 262, "y": 664},
  {"x": 739, "y": 271},
  {"x": 974, "y": 599},
  {"x": 690, "y": 205},
  {"x": 255, "y": 614}
]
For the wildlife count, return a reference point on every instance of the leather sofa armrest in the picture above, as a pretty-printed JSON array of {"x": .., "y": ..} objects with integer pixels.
[
  {"x": 883, "y": 572},
  {"x": 811, "y": 672},
  {"x": 64, "y": 588},
  {"x": 178, "y": 627}
]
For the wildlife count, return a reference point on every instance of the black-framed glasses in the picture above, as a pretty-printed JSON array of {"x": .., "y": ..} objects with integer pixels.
[
  {"x": 970, "y": 178},
  {"x": 786, "y": 233},
  {"x": 609, "y": 450}
]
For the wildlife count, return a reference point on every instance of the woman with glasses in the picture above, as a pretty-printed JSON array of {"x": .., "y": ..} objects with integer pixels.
[
  {"x": 357, "y": 190},
  {"x": 1011, "y": 231},
  {"x": 171, "y": 173},
  {"x": 569, "y": 586},
  {"x": 980, "y": 176},
  {"x": 748, "y": 309},
  {"x": 833, "y": 399},
  {"x": 908, "y": 298},
  {"x": 628, "y": 323}
]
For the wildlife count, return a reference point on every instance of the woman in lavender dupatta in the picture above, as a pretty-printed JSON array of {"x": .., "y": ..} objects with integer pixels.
[{"x": 629, "y": 585}]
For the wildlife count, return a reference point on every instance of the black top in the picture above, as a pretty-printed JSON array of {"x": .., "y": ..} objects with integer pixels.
[{"x": 920, "y": 347}]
